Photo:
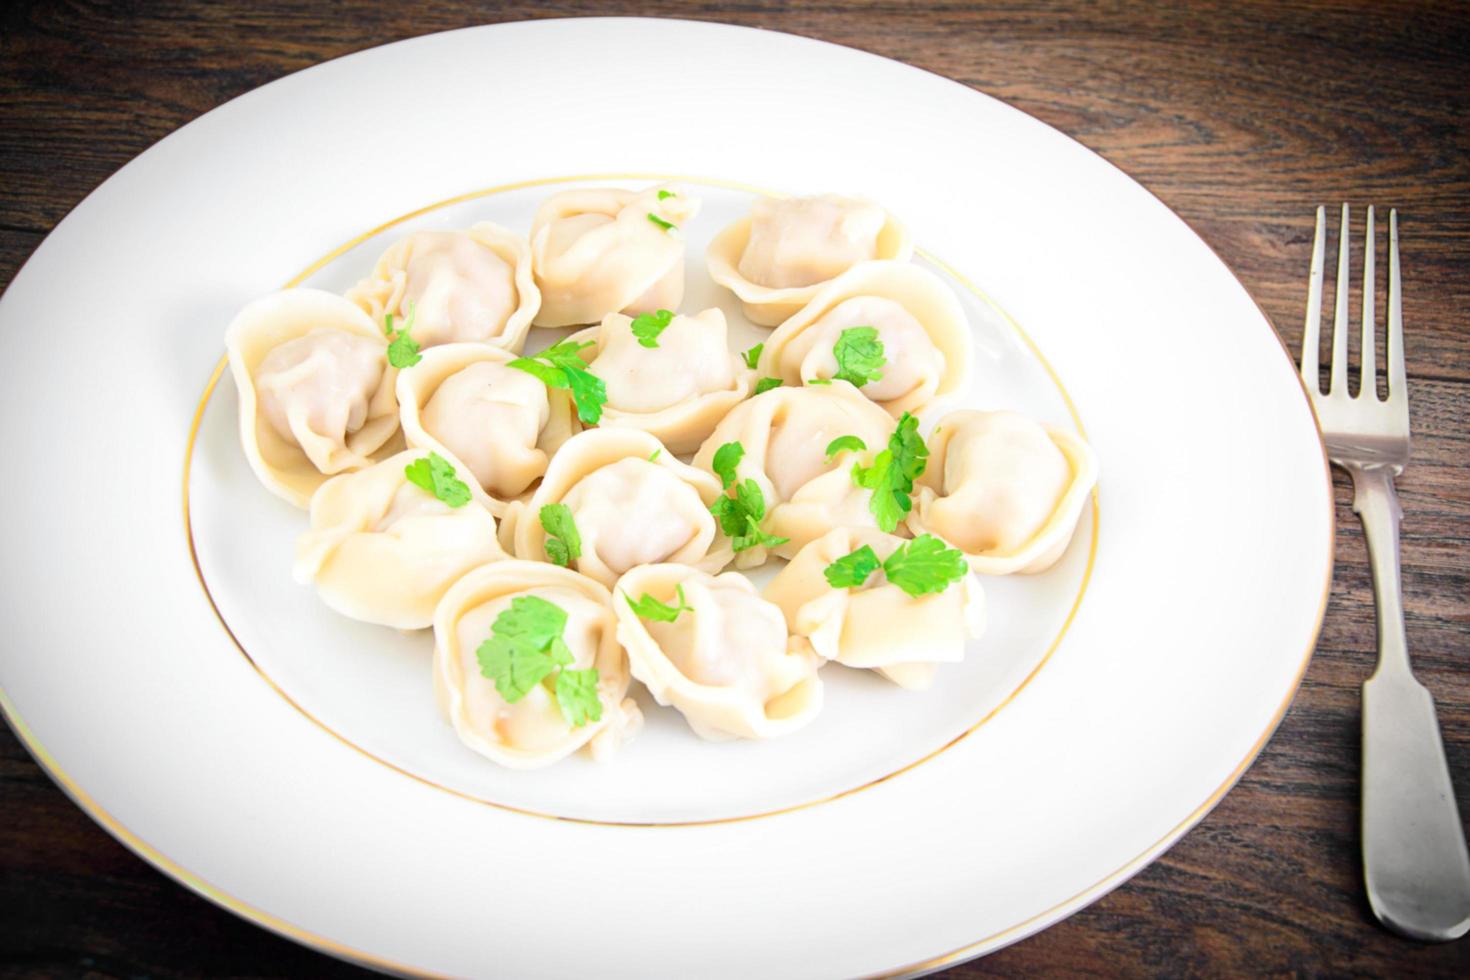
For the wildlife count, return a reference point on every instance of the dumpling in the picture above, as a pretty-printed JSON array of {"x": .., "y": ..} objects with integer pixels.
[
  {"x": 460, "y": 286},
  {"x": 677, "y": 391},
  {"x": 536, "y": 728},
  {"x": 315, "y": 387},
  {"x": 777, "y": 259},
  {"x": 785, "y": 433},
  {"x": 1003, "y": 489},
  {"x": 632, "y": 503},
  {"x": 919, "y": 323},
  {"x": 383, "y": 550},
  {"x": 496, "y": 422},
  {"x": 605, "y": 250},
  {"x": 726, "y": 661},
  {"x": 876, "y": 625}
]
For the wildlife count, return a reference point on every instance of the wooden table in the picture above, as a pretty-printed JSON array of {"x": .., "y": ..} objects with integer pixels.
[{"x": 1242, "y": 118}]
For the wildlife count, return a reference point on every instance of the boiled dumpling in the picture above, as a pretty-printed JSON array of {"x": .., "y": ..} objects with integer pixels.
[
  {"x": 725, "y": 661},
  {"x": 315, "y": 387},
  {"x": 785, "y": 433},
  {"x": 535, "y": 726},
  {"x": 383, "y": 549},
  {"x": 776, "y": 260},
  {"x": 473, "y": 285},
  {"x": 606, "y": 250},
  {"x": 632, "y": 503},
  {"x": 499, "y": 423},
  {"x": 908, "y": 311},
  {"x": 877, "y": 625},
  {"x": 677, "y": 391},
  {"x": 1003, "y": 489}
]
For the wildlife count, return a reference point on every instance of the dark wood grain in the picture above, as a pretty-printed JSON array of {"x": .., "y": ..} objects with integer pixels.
[{"x": 1241, "y": 117}]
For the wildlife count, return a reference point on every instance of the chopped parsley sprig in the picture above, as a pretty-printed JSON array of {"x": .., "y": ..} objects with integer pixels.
[
  {"x": 647, "y": 607},
  {"x": 558, "y": 366},
  {"x": 766, "y": 384},
  {"x": 845, "y": 444},
  {"x": 647, "y": 326},
  {"x": 526, "y": 648},
  {"x": 859, "y": 355},
  {"x": 752, "y": 357},
  {"x": 563, "y": 544},
  {"x": 665, "y": 225},
  {"x": 436, "y": 474},
  {"x": 922, "y": 566},
  {"x": 403, "y": 350},
  {"x": 741, "y": 510},
  {"x": 893, "y": 472}
]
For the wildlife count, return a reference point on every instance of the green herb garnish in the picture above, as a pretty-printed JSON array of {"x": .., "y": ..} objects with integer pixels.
[
  {"x": 727, "y": 458},
  {"x": 752, "y": 357},
  {"x": 919, "y": 567},
  {"x": 525, "y": 647},
  {"x": 859, "y": 355},
  {"x": 403, "y": 350},
  {"x": 558, "y": 366},
  {"x": 665, "y": 225},
  {"x": 665, "y": 195},
  {"x": 766, "y": 384},
  {"x": 435, "y": 474},
  {"x": 647, "y": 607},
  {"x": 563, "y": 544},
  {"x": 740, "y": 514},
  {"x": 820, "y": 381},
  {"x": 892, "y": 475},
  {"x": 851, "y": 571},
  {"x": 647, "y": 326},
  {"x": 656, "y": 454},
  {"x": 844, "y": 444}
]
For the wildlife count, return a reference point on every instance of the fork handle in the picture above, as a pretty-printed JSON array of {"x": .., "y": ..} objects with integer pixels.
[{"x": 1415, "y": 862}]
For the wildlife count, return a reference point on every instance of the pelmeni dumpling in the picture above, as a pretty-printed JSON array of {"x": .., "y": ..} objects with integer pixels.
[
  {"x": 677, "y": 391},
  {"x": 778, "y": 258},
  {"x": 316, "y": 390},
  {"x": 473, "y": 285},
  {"x": 785, "y": 433},
  {"x": 633, "y": 504},
  {"x": 384, "y": 550},
  {"x": 533, "y": 731},
  {"x": 1003, "y": 489},
  {"x": 876, "y": 625},
  {"x": 606, "y": 250},
  {"x": 926, "y": 341},
  {"x": 498, "y": 423},
  {"x": 726, "y": 662}
]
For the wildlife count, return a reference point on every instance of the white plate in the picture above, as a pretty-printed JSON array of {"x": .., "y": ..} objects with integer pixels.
[{"x": 308, "y": 784}]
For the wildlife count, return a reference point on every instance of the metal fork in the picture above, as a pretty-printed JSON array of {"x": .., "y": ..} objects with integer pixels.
[{"x": 1415, "y": 862}]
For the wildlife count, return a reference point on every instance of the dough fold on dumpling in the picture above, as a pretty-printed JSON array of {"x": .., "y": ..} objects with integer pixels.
[
  {"x": 606, "y": 250},
  {"x": 633, "y": 503},
  {"x": 726, "y": 663},
  {"x": 876, "y": 626},
  {"x": 472, "y": 285},
  {"x": 678, "y": 391},
  {"x": 777, "y": 259},
  {"x": 1003, "y": 489},
  {"x": 533, "y": 731},
  {"x": 384, "y": 550},
  {"x": 919, "y": 322},
  {"x": 315, "y": 388},
  {"x": 496, "y": 422},
  {"x": 785, "y": 433}
]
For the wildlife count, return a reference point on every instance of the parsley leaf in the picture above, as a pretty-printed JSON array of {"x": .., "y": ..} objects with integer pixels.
[
  {"x": 753, "y": 356},
  {"x": 647, "y": 326},
  {"x": 820, "y": 381},
  {"x": 766, "y": 384},
  {"x": 563, "y": 543},
  {"x": 727, "y": 458},
  {"x": 665, "y": 195},
  {"x": 892, "y": 475},
  {"x": 525, "y": 646},
  {"x": 403, "y": 350},
  {"x": 924, "y": 565},
  {"x": 576, "y": 696},
  {"x": 665, "y": 225},
  {"x": 852, "y": 570},
  {"x": 558, "y": 366},
  {"x": 859, "y": 355},
  {"x": 647, "y": 607},
  {"x": 435, "y": 474},
  {"x": 755, "y": 537},
  {"x": 656, "y": 454},
  {"x": 844, "y": 444}
]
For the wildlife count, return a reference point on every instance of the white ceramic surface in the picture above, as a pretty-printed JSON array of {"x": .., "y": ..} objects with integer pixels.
[{"x": 1210, "y": 574}]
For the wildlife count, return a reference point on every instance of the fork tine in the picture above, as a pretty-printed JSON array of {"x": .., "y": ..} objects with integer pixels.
[
  {"x": 1398, "y": 384},
  {"x": 1338, "y": 382},
  {"x": 1312, "y": 329},
  {"x": 1367, "y": 376}
]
